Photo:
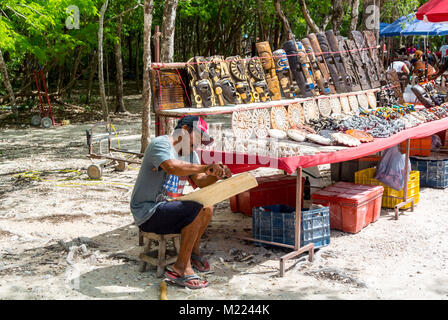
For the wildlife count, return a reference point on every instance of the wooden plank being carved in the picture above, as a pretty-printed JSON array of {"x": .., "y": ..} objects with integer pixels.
[{"x": 222, "y": 190}]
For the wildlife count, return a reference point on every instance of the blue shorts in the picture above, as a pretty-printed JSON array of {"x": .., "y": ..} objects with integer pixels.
[{"x": 172, "y": 217}]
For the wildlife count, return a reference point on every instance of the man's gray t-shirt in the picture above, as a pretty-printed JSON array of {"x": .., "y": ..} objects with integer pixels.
[{"x": 154, "y": 186}]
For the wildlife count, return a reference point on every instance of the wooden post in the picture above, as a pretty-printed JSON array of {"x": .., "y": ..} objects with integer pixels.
[
  {"x": 297, "y": 249},
  {"x": 406, "y": 181}
]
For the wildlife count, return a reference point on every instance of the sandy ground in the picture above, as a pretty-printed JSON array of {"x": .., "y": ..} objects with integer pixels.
[{"x": 404, "y": 259}]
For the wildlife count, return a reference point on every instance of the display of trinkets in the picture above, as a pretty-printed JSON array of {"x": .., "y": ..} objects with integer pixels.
[
  {"x": 296, "y": 135},
  {"x": 336, "y": 108},
  {"x": 261, "y": 122},
  {"x": 353, "y": 101},
  {"x": 200, "y": 83},
  {"x": 277, "y": 134},
  {"x": 345, "y": 105},
  {"x": 372, "y": 100},
  {"x": 311, "y": 110},
  {"x": 345, "y": 139},
  {"x": 279, "y": 118},
  {"x": 316, "y": 138},
  {"x": 324, "y": 106},
  {"x": 360, "y": 135},
  {"x": 296, "y": 115},
  {"x": 363, "y": 101},
  {"x": 242, "y": 124}
]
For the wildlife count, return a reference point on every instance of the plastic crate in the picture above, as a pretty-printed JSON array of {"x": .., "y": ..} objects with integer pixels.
[
  {"x": 352, "y": 206},
  {"x": 418, "y": 147},
  {"x": 433, "y": 173},
  {"x": 271, "y": 190},
  {"x": 391, "y": 197},
  {"x": 276, "y": 224}
]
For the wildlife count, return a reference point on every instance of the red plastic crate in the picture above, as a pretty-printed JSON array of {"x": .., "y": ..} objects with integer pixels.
[
  {"x": 352, "y": 206},
  {"x": 272, "y": 190}
]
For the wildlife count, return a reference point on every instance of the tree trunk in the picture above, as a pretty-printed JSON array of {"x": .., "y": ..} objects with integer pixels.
[
  {"x": 137, "y": 61},
  {"x": 371, "y": 16},
  {"x": 306, "y": 14},
  {"x": 146, "y": 95},
  {"x": 74, "y": 71},
  {"x": 60, "y": 78},
  {"x": 130, "y": 51},
  {"x": 106, "y": 58},
  {"x": 8, "y": 86},
  {"x": 354, "y": 16},
  {"x": 337, "y": 16},
  {"x": 119, "y": 67},
  {"x": 168, "y": 28},
  {"x": 91, "y": 76},
  {"x": 263, "y": 33},
  {"x": 276, "y": 43},
  {"x": 286, "y": 31},
  {"x": 100, "y": 63}
]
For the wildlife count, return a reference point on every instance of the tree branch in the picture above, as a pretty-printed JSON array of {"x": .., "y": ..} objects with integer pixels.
[
  {"x": 124, "y": 12},
  {"x": 307, "y": 16}
]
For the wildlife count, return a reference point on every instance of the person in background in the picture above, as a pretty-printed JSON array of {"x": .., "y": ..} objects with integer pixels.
[
  {"x": 444, "y": 54},
  {"x": 432, "y": 59},
  {"x": 403, "y": 71},
  {"x": 420, "y": 68},
  {"x": 418, "y": 55},
  {"x": 411, "y": 50},
  {"x": 402, "y": 67}
]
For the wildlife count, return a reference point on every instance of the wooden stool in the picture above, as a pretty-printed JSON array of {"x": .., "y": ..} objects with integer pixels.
[{"x": 161, "y": 261}]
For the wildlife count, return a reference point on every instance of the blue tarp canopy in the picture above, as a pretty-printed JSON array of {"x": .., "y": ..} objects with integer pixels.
[{"x": 409, "y": 26}]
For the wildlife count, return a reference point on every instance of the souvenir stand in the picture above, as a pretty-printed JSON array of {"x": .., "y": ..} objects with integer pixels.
[{"x": 290, "y": 162}]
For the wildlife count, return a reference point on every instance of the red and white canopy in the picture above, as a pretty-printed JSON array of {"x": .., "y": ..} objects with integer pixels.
[{"x": 434, "y": 11}]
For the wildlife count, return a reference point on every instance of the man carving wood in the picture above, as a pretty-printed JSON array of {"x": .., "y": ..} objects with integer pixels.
[{"x": 169, "y": 162}]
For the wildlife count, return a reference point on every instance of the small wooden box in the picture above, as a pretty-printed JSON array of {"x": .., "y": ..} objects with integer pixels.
[{"x": 168, "y": 90}]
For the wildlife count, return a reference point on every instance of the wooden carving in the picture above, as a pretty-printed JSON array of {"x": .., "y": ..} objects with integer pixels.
[
  {"x": 339, "y": 83},
  {"x": 374, "y": 54},
  {"x": 334, "y": 46},
  {"x": 283, "y": 73},
  {"x": 324, "y": 86},
  {"x": 367, "y": 62},
  {"x": 321, "y": 61},
  {"x": 349, "y": 65},
  {"x": 265, "y": 53},
  {"x": 357, "y": 64},
  {"x": 297, "y": 70},
  {"x": 168, "y": 90}
]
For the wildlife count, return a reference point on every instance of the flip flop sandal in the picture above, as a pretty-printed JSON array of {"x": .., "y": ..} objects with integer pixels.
[
  {"x": 202, "y": 260},
  {"x": 182, "y": 281}
]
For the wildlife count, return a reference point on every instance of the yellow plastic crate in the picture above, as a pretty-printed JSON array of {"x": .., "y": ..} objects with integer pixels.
[
  {"x": 391, "y": 197},
  {"x": 364, "y": 176}
]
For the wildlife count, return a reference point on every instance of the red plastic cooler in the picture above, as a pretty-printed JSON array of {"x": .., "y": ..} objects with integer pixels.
[
  {"x": 271, "y": 190},
  {"x": 352, "y": 206}
]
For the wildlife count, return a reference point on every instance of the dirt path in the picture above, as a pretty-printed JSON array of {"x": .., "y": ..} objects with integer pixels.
[{"x": 404, "y": 259}]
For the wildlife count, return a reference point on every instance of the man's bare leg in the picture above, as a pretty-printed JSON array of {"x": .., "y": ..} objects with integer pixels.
[
  {"x": 189, "y": 235},
  {"x": 208, "y": 212}
]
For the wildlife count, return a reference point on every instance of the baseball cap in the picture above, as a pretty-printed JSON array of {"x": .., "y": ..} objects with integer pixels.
[{"x": 198, "y": 124}]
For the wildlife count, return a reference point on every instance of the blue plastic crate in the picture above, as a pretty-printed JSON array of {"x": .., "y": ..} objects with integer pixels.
[
  {"x": 433, "y": 173},
  {"x": 276, "y": 224}
]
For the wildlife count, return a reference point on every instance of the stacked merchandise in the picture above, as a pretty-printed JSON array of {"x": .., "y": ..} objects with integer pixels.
[{"x": 342, "y": 96}]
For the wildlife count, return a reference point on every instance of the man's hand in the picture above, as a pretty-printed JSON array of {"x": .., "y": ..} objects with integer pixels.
[{"x": 219, "y": 171}]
